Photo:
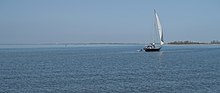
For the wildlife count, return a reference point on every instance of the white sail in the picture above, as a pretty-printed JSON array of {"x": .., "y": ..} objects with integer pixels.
[{"x": 158, "y": 28}]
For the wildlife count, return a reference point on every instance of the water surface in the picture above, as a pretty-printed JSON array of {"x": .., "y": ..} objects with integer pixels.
[{"x": 110, "y": 68}]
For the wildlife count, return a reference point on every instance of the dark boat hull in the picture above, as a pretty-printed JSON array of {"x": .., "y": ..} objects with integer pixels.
[{"x": 152, "y": 49}]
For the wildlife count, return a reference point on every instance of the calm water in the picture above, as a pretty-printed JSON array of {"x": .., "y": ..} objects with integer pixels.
[{"x": 110, "y": 68}]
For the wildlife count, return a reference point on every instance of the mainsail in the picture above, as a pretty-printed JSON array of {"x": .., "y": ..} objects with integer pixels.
[{"x": 158, "y": 28}]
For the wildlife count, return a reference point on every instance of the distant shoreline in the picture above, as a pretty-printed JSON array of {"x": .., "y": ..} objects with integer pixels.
[
  {"x": 169, "y": 43},
  {"x": 192, "y": 42},
  {"x": 79, "y": 44}
]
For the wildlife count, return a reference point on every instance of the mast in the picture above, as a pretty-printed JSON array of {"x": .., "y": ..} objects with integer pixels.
[{"x": 154, "y": 29}]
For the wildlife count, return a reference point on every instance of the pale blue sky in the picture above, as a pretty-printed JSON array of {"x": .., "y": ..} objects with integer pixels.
[{"x": 83, "y": 21}]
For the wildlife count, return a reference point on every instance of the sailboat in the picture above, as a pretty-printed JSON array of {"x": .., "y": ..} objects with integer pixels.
[{"x": 158, "y": 38}]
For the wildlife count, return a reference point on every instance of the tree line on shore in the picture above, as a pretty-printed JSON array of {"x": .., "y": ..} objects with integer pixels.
[{"x": 193, "y": 42}]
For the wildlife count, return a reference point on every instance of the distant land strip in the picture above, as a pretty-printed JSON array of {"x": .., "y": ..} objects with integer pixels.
[
  {"x": 169, "y": 43},
  {"x": 193, "y": 42},
  {"x": 76, "y": 44}
]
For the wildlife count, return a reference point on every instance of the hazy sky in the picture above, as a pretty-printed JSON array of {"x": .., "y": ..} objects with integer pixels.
[{"x": 82, "y": 21}]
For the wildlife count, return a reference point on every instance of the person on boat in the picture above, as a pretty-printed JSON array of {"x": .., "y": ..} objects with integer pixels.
[
  {"x": 153, "y": 45},
  {"x": 149, "y": 46}
]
